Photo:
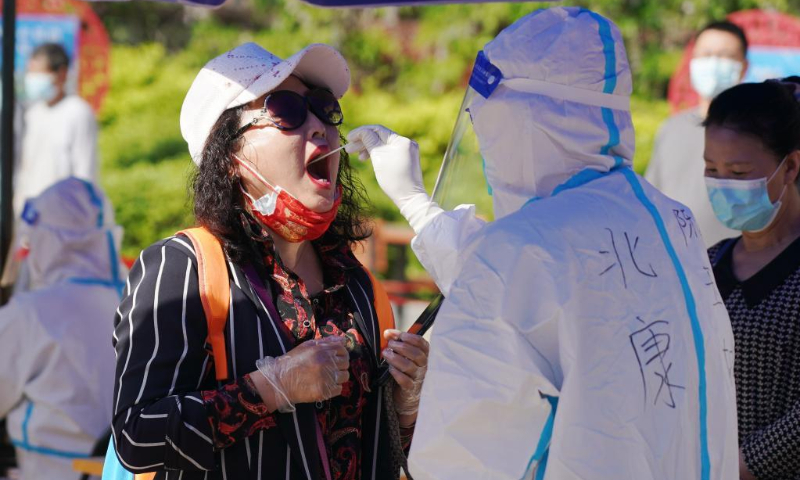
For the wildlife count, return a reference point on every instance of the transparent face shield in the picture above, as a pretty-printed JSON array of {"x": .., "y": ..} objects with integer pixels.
[{"x": 462, "y": 177}]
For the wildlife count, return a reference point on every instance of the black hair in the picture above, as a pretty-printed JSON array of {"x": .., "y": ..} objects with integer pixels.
[
  {"x": 219, "y": 202},
  {"x": 732, "y": 28},
  {"x": 768, "y": 111},
  {"x": 55, "y": 54}
]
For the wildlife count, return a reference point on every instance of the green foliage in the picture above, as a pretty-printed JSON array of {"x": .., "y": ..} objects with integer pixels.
[
  {"x": 150, "y": 201},
  {"x": 145, "y": 160},
  {"x": 647, "y": 116},
  {"x": 427, "y": 119},
  {"x": 409, "y": 65}
]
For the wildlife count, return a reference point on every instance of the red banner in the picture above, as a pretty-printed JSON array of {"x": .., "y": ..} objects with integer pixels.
[
  {"x": 93, "y": 45},
  {"x": 763, "y": 29}
]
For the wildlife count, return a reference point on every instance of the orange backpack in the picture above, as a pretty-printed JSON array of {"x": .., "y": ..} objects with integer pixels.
[{"x": 214, "y": 283}]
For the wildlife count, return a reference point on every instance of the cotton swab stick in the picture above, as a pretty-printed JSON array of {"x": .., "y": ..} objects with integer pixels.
[{"x": 322, "y": 157}]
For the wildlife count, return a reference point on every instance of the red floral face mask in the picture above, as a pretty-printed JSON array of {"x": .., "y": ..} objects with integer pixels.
[{"x": 286, "y": 215}]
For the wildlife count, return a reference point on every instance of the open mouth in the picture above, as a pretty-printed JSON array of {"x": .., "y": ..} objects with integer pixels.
[{"x": 320, "y": 172}]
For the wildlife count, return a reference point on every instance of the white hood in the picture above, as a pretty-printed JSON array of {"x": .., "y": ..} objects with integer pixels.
[
  {"x": 562, "y": 105},
  {"x": 71, "y": 234}
]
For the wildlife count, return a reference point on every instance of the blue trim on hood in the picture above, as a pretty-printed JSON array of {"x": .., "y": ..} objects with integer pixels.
[
  {"x": 114, "y": 258},
  {"x": 610, "y": 77},
  {"x": 609, "y": 51},
  {"x": 580, "y": 179},
  {"x": 117, "y": 283},
  {"x": 96, "y": 201}
]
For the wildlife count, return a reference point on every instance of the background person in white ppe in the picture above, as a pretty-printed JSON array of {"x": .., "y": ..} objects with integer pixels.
[
  {"x": 55, "y": 340},
  {"x": 719, "y": 61},
  {"x": 583, "y": 337}
]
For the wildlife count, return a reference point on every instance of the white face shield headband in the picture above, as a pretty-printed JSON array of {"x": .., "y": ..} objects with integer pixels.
[{"x": 488, "y": 173}]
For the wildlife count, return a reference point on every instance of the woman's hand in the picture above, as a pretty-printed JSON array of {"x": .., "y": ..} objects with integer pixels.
[
  {"x": 312, "y": 372},
  {"x": 407, "y": 356}
]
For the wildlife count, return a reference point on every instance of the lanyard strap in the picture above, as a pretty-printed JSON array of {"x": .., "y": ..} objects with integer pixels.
[
  {"x": 261, "y": 290},
  {"x": 323, "y": 452}
]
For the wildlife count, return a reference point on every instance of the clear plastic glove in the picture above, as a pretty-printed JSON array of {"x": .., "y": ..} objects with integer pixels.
[
  {"x": 407, "y": 356},
  {"x": 395, "y": 160},
  {"x": 312, "y": 372}
]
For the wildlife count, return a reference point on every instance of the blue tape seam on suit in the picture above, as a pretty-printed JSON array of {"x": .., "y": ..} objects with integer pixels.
[
  {"x": 691, "y": 308},
  {"x": 25, "y": 444}
]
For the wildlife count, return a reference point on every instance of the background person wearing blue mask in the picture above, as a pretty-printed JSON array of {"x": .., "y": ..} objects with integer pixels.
[
  {"x": 60, "y": 136},
  {"x": 57, "y": 361},
  {"x": 719, "y": 61},
  {"x": 752, "y": 158},
  {"x": 580, "y": 337}
]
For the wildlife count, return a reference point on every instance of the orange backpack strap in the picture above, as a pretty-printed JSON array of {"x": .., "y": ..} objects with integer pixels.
[
  {"x": 383, "y": 308},
  {"x": 215, "y": 294}
]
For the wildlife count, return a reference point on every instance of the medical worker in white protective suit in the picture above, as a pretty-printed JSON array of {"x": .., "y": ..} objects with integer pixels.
[
  {"x": 57, "y": 372},
  {"x": 582, "y": 336}
]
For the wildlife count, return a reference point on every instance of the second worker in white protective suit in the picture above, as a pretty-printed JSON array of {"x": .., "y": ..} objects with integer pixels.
[
  {"x": 582, "y": 336},
  {"x": 57, "y": 361}
]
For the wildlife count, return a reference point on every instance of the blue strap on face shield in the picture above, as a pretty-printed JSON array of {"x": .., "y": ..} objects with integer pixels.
[{"x": 485, "y": 77}]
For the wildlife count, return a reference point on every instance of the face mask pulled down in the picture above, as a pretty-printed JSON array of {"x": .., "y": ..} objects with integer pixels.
[
  {"x": 286, "y": 215},
  {"x": 744, "y": 205}
]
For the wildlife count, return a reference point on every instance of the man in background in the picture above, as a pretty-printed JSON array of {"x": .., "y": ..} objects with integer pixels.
[
  {"x": 60, "y": 138},
  {"x": 719, "y": 61}
]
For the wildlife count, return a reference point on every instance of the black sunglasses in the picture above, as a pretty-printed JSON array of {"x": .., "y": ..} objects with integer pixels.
[{"x": 288, "y": 110}]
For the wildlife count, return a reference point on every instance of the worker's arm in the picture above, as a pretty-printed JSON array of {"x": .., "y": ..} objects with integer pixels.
[
  {"x": 440, "y": 244},
  {"x": 441, "y": 235}
]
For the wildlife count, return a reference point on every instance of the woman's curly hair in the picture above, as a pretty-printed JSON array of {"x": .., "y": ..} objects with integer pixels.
[{"x": 219, "y": 202}]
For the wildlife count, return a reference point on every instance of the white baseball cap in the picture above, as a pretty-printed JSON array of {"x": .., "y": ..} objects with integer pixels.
[{"x": 247, "y": 72}]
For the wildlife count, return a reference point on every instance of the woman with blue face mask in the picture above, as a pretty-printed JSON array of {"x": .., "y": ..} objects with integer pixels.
[{"x": 752, "y": 159}]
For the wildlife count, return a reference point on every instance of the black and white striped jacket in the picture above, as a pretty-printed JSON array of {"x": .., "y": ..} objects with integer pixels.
[{"x": 160, "y": 421}]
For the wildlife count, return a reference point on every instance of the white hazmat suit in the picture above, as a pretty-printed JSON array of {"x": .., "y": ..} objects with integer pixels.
[
  {"x": 582, "y": 336},
  {"x": 58, "y": 363}
]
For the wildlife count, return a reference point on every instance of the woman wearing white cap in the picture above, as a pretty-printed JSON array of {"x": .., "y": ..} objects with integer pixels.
[{"x": 302, "y": 336}]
